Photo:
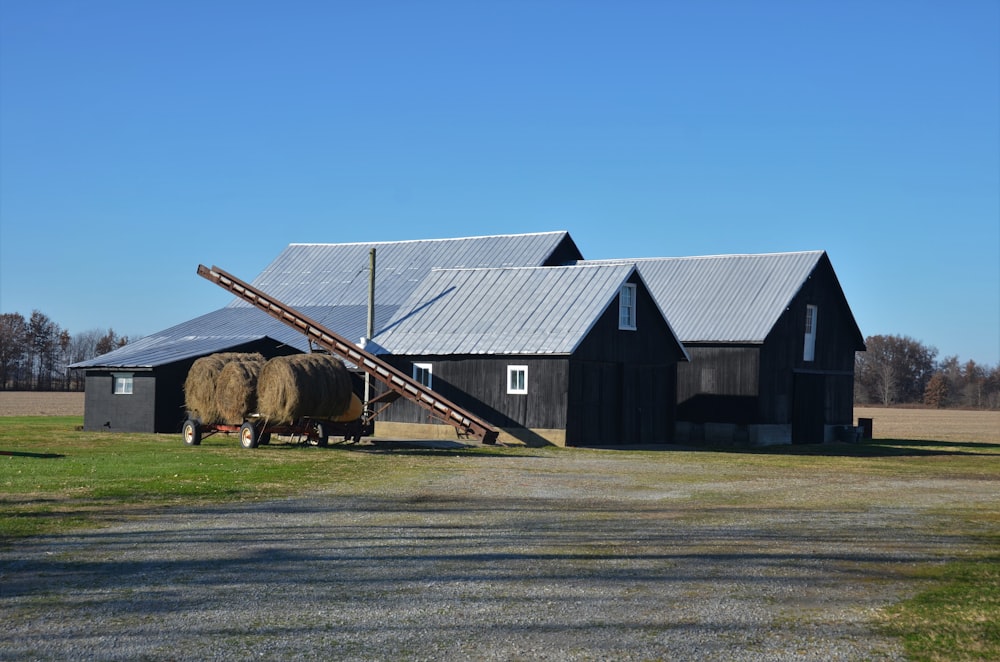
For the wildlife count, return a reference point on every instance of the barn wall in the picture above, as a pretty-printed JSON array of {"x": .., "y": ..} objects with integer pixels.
[
  {"x": 170, "y": 411},
  {"x": 719, "y": 384},
  {"x": 832, "y": 370},
  {"x": 622, "y": 384},
  {"x": 103, "y": 410},
  {"x": 479, "y": 384}
]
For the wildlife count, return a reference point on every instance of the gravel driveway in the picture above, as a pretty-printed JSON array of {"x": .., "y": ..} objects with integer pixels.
[{"x": 561, "y": 557}]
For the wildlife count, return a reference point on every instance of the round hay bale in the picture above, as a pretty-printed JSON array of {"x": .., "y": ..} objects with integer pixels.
[
  {"x": 199, "y": 387},
  {"x": 290, "y": 388},
  {"x": 236, "y": 388}
]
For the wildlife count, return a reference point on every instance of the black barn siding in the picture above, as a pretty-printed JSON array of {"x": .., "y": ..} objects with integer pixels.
[{"x": 771, "y": 383}]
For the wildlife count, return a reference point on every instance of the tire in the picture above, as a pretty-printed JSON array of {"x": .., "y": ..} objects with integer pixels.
[
  {"x": 248, "y": 436},
  {"x": 265, "y": 438},
  {"x": 191, "y": 432}
]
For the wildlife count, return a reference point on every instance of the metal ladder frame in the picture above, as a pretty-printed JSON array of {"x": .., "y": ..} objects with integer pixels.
[{"x": 399, "y": 383}]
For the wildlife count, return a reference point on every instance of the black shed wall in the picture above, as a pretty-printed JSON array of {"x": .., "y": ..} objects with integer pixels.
[
  {"x": 479, "y": 384},
  {"x": 103, "y": 410}
]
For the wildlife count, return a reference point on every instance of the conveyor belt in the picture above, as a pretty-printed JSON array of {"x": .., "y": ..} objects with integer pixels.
[{"x": 398, "y": 382}]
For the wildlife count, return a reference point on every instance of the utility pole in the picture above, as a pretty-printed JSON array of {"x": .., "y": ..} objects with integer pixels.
[{"x": 371, "y": 318}]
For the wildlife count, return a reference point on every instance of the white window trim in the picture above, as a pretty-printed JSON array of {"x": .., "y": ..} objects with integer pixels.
[
  {"x": 429, "y": 369},
  {"x": 124, "y": 380},
  {"x": 511, "y": 371},
  {"x": 627, "y": 312},
  {"x": 809, "y": 342}
]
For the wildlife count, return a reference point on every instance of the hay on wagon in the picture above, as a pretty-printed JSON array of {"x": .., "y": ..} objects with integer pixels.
[
  {"x": 201, "y": 387},
  {"x": 290, "y": 388},
  {"x": 236, "y": 388}
]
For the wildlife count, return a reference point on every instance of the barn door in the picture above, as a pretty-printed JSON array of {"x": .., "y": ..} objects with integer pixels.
[
  {"x": 596, "y": 406},
  {"x": 808, "y": 409}
]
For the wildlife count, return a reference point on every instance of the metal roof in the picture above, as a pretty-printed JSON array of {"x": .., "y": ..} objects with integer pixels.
[
  {"x": 542, "y": 310},
  {"x": 726, "y": 298},
  {"x": 329, "y": 283},
  {"x": 337, "y": 274}
]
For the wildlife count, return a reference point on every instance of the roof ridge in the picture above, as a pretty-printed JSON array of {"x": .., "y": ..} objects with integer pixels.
[
  {"x": 580, "y": 265},
  {"x": 424, "y": 241},
  {"x": 707, "y": 257}
]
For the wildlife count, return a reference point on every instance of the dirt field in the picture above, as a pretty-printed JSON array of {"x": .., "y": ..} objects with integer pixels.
[
  {"x": 932, "y": 424},
  {"x": 31, "y": 403}
]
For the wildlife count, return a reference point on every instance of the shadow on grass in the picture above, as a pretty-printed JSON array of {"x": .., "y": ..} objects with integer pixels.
[{"x": 26, "y": 454}]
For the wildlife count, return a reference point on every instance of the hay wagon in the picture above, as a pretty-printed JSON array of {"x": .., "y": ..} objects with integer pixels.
[{"x": 256, "y": 432}]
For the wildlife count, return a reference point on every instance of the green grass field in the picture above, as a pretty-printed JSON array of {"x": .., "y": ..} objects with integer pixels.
[{"x": 55, "y": 478}]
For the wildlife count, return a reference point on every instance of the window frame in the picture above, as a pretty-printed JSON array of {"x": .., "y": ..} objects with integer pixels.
[
  {"x": 122, "y": 383},
  {"x": 809, "y": 336},
  {"x": 515, "y": 370},
  {"x": 427, "y": 369},
  {"x": 627, "y": 312}
]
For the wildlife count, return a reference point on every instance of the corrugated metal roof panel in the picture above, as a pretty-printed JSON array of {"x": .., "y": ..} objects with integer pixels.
[
  {"x": 337, "y": 274},
  {"x": 725, "y": 298},
  {"x": 545, "y": 310},
  {"x": 228, "y": 327}
]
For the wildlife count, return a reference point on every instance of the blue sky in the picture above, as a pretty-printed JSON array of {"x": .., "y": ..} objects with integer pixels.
[{"x": 139, "y": 139}]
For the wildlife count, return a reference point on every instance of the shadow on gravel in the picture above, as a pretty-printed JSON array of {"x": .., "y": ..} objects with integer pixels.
[{"x": 390, "y": 546}]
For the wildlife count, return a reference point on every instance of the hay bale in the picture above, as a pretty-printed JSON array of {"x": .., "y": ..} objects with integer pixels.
[
  {"x": 236, "y": 388},
  {"x": 303, "y": 385},
  {"x": 200, "y": 385}
]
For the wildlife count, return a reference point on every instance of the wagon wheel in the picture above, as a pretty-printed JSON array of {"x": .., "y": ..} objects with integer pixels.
[
  {"x": 265, "y": 438},
  {"x": 191, "y": 432},
  {"x": 248, "y": 436}
]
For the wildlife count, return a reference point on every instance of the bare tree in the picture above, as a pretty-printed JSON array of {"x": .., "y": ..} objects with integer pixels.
[
  {"x": 894, "y": 369},
  {"x": 13, "y": 349},
  {"x": 43, "y": 336},
  {"x": 110, "y": 342}
]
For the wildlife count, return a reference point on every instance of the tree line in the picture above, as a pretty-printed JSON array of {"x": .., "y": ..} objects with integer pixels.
[
  {"x": 35, "y": 353},
  {"x": 900, "y": 370}
]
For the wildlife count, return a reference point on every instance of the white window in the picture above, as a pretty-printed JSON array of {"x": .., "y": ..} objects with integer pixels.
[
  {"x": 517, "y": 379},
  {"x": 422, "y": 373},
  {"x": 626, "y": 307},
  {"x": 123, "y": 383},
  {"x": 809, "y": 348}
]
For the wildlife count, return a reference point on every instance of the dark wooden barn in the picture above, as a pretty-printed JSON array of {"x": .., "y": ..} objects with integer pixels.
[
  {"x": 564, "y": 355},
  {"x": 525, "y": 333},
  {"x": 771, "y": 340}
]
